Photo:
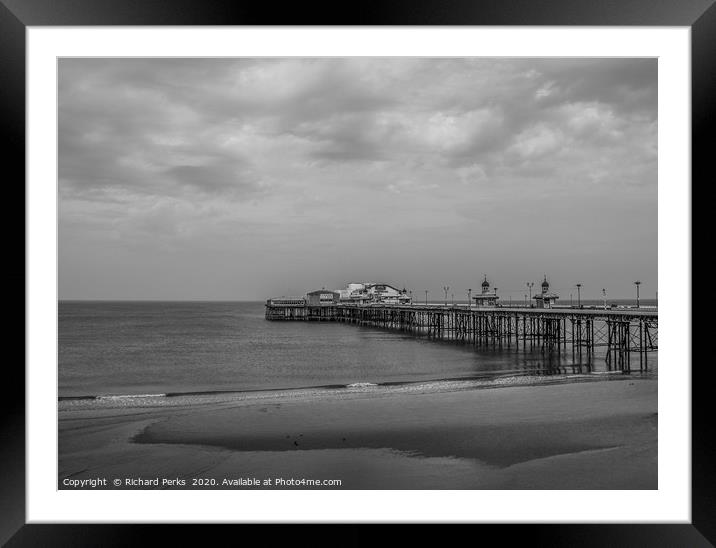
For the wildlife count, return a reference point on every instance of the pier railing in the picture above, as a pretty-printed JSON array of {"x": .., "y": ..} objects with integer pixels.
[{"x": 620, "y": 332}]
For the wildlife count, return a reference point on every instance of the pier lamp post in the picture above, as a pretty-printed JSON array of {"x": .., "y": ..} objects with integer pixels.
[
  {"x": 469, "y": 298},
  {"x": 530, "y": 284},
  {"x": 579, "y": 295},
  {"x": 637, "y": 284},
  {"x": 446, "y": 288},
  {"x": 411, "y": 296},
  {"x": 426, "y": 296},
  {"x": 604, "y": 294},
  {"x": 525, "y": 300}
]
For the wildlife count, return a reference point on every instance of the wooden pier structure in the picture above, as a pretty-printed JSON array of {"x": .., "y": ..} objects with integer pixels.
[{"x": 621, "y": 332}]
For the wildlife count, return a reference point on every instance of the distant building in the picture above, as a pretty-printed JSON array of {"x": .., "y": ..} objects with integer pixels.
[
  {"x": 351, "y": 292},
  {"x": 385, "y": 293},
  {"x": 487, "y": 297},
  {"x": 369, "y": 292},
  {"x": 546, "y": 299},
  {"x": 322, "y": 297}
]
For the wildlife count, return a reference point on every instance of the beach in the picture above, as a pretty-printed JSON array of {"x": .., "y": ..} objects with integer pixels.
[{"x": 562, "y": 432}]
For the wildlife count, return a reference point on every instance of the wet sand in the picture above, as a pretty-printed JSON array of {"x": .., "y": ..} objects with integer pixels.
[{"x": 573, "y": 435}]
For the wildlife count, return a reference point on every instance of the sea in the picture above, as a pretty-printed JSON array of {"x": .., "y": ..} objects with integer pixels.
[{"x": 129, "y": 349}]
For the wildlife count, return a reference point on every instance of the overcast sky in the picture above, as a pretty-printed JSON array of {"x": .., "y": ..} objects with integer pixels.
[{"x": 248, "y": 178}]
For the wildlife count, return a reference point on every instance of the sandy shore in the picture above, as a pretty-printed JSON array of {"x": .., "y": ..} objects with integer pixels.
[{"x": 575, "y": 435}]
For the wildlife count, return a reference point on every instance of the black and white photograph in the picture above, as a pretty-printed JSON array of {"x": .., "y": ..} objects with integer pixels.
[{"x": 353, "y": 273}]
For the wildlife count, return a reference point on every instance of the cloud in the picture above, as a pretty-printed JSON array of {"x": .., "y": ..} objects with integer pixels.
[
  {"x": 202, "y": 151},
  {"x": 537, "y": 141}
]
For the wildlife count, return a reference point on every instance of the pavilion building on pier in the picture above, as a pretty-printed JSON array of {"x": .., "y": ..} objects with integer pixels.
[
  {"x": 488, "y": 297},
  {"x": 546, "y": 299}
]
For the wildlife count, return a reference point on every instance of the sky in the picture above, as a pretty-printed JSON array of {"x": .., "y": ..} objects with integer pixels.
[{"x": 243, "y": 179}]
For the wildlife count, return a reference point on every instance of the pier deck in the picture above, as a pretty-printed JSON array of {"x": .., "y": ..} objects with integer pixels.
[{"x": 621, "y": 332}]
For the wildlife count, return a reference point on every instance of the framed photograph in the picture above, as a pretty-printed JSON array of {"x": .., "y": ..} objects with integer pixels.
[{"x": 403, "y": 268}]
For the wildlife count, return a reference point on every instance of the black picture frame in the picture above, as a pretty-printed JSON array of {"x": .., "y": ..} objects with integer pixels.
[{"x": 16, "y": 15}]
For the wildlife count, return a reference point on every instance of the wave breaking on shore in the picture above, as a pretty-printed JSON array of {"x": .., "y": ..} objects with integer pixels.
[{"x": 357, "y": 389}]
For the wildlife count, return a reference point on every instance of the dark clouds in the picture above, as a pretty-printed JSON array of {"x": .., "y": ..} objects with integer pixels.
[{"x": 248, "y": 155}]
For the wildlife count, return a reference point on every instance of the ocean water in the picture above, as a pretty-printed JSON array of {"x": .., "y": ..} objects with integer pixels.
[{"x": 135, "y": 348}]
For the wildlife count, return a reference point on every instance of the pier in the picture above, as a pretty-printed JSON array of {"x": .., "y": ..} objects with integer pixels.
[{"x": 621, "y": 333}]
